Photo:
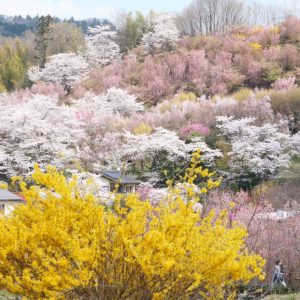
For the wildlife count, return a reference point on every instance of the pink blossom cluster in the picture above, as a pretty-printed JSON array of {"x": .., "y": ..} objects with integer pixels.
[
  {"x": 286, "y": 83},
  {"x": 272, "y": 238},
  {"x": 194, "y": 128},
  {"x": 213, "y": 65}
]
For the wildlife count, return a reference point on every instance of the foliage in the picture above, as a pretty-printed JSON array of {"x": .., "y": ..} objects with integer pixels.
[
  {"x": 204, "y": 65},
  {"x": 273, "y": 238},
  {"x": 36, "y": 130},
  {"x": 270, "y": 73},
  {"x": 290, "y": 29},
  {"x": 63, "y": 68},
  {"x": 288, "y": 103},
  {"x": 42, "y": 38},
  {"x": 101, "y": 48},
  {"x": 143, "y": 128},
  {"x": 289, "y": 57},
  {"x": 161, "y": 150},
  {"x": 257, "y": 153},
  {"x": 49, "y": 250},
  {"x": 197, "y": 128},
  {"x": 114, "y": 101},
  {"x": 36, "y": 127},
  {"x": 287, "y": 83},
  {"x": 65, "y": 37},
  {"x": 13, "y": 68},
  {"x": 130, "y": 29},
  {"x": 163, "y": 33}
]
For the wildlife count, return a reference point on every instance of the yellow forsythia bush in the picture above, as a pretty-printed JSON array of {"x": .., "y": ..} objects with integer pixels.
[{"x": 64, "y": 244}]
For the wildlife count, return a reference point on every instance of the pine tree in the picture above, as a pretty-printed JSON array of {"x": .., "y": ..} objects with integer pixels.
[{"x": 42, "y": 39}]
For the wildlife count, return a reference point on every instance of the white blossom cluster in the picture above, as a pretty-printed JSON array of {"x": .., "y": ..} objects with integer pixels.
[
  {"x": 63, "y": 68},
  {"x": 101, "y": 48},
  {"x": 68, "y": 69},
  {"x": 38, "y": 129},
  {"x": 257, "y": 150},
  {"x": 163, "y": 34},
  {"x": 144, "y": 146},
  {"x": 114, "y": 101}
]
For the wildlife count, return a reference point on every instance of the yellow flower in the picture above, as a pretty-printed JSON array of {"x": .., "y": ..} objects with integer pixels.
[
  {"x": 231, "y": 204},
  {"x": 62, "y": 244},
  {"x": 143, "y": 128},
  {"x": 255, "y": 46},
  {"x": 204, "y": 190}
]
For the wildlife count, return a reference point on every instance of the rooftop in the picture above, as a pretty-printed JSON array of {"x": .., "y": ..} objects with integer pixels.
[
  {"x": 118, "y": 176},
  {"x": 9, "y": 196}
]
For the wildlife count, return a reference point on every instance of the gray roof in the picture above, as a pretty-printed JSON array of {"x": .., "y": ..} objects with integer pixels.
[
  {"x": 118, "y": 176},
  {"x": 8, "y": 196}
]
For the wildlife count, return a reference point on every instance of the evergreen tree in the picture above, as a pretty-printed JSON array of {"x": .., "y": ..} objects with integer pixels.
[
  {"x": 130, "y": 29},
  {"x": 42, "y": 38}
]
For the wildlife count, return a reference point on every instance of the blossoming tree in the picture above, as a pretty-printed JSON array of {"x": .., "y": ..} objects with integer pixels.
[
  {"x": 160, "y": 151},
  {"x": 163, "y": 34},
  {"x": 101, "y": 48},
  {"x": 256, "y": 153},
  {"x": 64, "y": 68}
]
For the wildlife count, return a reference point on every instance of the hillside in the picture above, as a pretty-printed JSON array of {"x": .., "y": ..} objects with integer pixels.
[{"x": 214, "y": 118}]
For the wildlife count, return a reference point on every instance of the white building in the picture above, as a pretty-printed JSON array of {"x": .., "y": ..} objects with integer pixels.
[
  {"x": 278, "y": 215},
  {"x": 126, "y": 183},
  {"x": 8, "y": 201}
]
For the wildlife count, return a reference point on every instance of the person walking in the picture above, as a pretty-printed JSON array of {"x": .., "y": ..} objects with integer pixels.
[
  {"x": 282, "y": 274},
  {"x": 277, "y": 272}
]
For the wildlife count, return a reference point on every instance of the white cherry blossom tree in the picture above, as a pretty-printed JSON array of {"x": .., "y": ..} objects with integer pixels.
[
  {"x": 256, "y": 152},
  {"x": 113, "y": 101},
  {"x": 101, "y": 48},
  {"x": 160, "y": 150},
  {"x": 64, "y": 68},
  {"x": 163, "y": 34}
]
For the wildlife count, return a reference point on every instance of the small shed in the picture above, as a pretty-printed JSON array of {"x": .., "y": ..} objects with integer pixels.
[
  {"x": 127, "y": 183},
  {"x": 8, "y": 201}
]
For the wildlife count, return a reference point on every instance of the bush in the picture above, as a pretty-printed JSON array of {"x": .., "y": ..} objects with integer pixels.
[
  {"x": 289, "y": 57},
  {"x": 290, "y": 29},
  {"x": 64, "y": 244},
  {"x": 242, "y": 94},
  {"x": 271, "y": 72},
  {"x": 286, "y": 102}
]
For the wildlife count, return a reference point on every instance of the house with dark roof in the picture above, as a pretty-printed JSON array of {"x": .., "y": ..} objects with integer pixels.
[
  {"x": 127, "y": 183},
  {"x": 8, "y": 201}
]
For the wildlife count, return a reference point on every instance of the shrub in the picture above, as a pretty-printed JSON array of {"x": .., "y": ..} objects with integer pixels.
[
  {"x": 290, "y": 29},
  {"x": 287, "y": 83},
  {"x": 64, "y": 244},
  {"x": 286, "y": 102},
  {"x": 271, "y": 54},
  {"x": 272, "y": 238},
  {"x": 289, "y": 57},
  {"x": 267, "y": 37},
  {"x": 271, "y": 72},
  {"x": 196, "y": 128},
  {"x": 242, "y": 94}
]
